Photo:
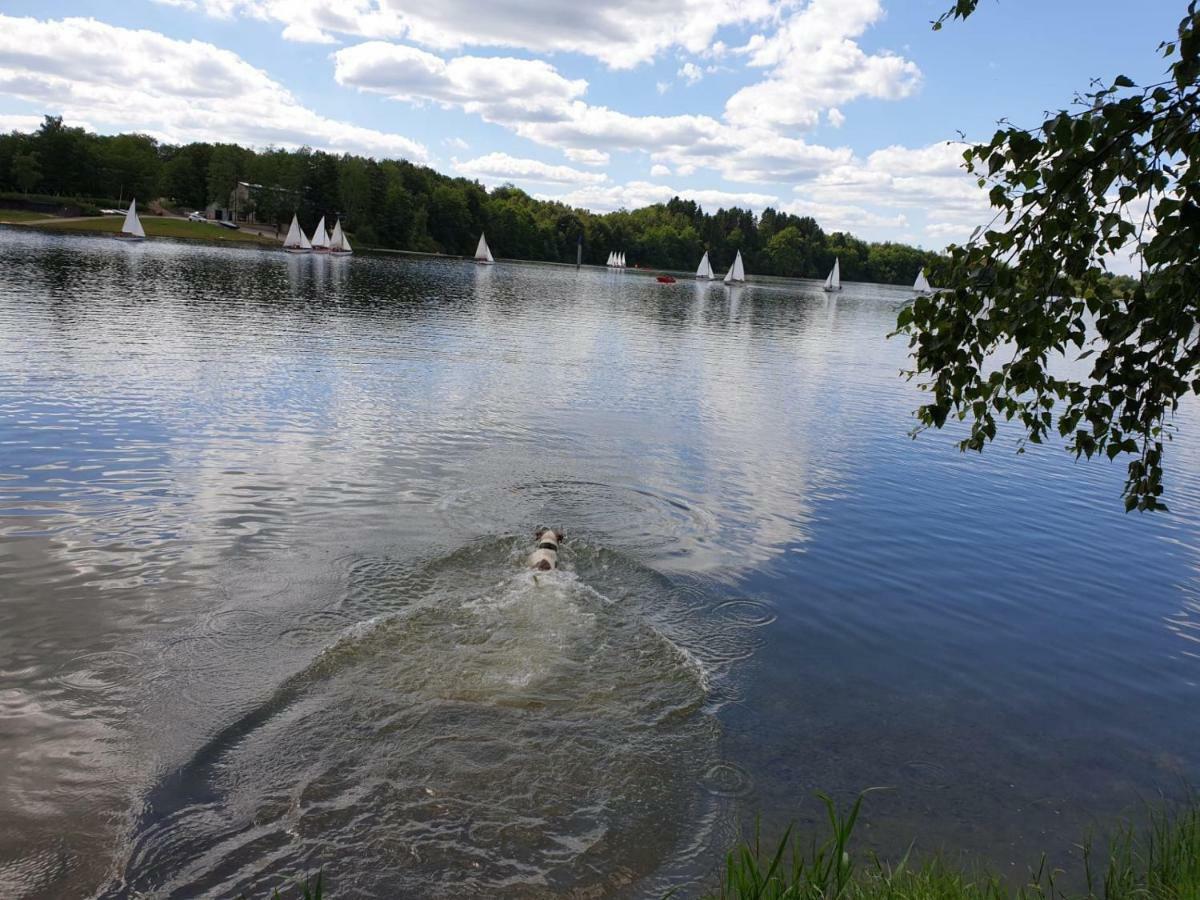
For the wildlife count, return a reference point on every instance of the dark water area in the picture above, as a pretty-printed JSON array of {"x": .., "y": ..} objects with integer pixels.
[{"x": 263, "y": 608}]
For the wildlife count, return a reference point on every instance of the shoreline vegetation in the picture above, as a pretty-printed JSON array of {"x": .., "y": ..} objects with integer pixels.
[
  {"x": 395, "y": 204},
  {"x": 156, "y": 226},
  {"x": 1158, "y": 860}
]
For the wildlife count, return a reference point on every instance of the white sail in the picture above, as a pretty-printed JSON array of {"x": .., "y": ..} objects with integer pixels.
[
  {"x": 737, "y": 272},
  {"x": 296, "y": 239},
  {"x": 320, "y": 238},
  {"x": 922, "y": 285},
  {"x": 133, "y": 225},
  {"x": 483, "y": 253},
  {"x": 338, "y": 243},
  {"x": 609, "y": 261},
  {"x": 705, "y": 269},
  {"x": 621, "y": 260},
  {"x": 834, "y": 281}
]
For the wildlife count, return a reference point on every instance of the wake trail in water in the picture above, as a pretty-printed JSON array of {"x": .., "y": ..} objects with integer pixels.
[{"x": 501, "y": 734}]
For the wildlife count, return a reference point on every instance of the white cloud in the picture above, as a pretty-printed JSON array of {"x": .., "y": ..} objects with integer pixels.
[
  {"x": 500, "y": 167},
  {"x": 815, "y": 64},
  {"x": 752, "y": 154},
  {"x": 642, "y": 193},
  {"x": 658, "y": 170},
  {"x": 499, "y": 89},
  {"x": 924, "y": 182},
  {"x": 303, "y": 33},
  {"x": 835, "y": 118},
  {"x": 662, "y": 86},
  {"x": 614, "y": 31},
  {"x": 690, "y": 72},
  {"x": 587, "y": 157},
  {"x": 456, "y": 142},
  {"x": 23, "y": 123},
  {"x": 845, "y": 217},
  {"x": 930, "y": 177},
  {"x": 178, "y": 91}
]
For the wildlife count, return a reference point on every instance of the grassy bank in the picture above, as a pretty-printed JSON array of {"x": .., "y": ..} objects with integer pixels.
[
  {"x": 158, "y": 226},
  {"x": 19, "y": 216},
  {"x": 1158, "y": 861}
]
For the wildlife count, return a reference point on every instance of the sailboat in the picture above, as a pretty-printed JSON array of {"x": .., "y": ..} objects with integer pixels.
[
  {"x": 483, "y": 254},
  {"x": 705, "y": 271},
  {"x": 621, "y": 264},
  {"x": 834, "y": 281},
  {"x": 296, "y": 242},
  {"x": 339, "y": 245},
  {"x": 922, "y": 285},
  {"x": 612, "y": 255},
  {"x": 320, "y": 238},
  {"x": 132, "y": 229},
  {"x": 736, "y": 273}
]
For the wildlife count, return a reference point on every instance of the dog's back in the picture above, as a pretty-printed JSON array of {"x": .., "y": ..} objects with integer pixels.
[{"x": 545, "y": 555}]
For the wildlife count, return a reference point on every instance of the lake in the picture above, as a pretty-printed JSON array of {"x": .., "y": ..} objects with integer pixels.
[{"x": 263, "y": 607}]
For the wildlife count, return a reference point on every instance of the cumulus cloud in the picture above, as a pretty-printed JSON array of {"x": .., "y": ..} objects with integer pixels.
[
  {"x": 500, "y": 167},
  {"x": 658, "y": 170},
  {"x": 815, "y": 64},
  {"x": 499, "y": 89},
  {"x": 619, "y": 34},
  {"x": 920, "y": 181},
  {"x": 122, "y": 79},
  {"x": 587, "y": 156}
]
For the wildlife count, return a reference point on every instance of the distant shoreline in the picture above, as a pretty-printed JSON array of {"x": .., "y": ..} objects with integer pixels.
[{"x": 257, "y": 241}]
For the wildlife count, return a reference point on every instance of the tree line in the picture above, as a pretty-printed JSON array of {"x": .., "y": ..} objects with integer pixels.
[{"x": 397, "y": 204}]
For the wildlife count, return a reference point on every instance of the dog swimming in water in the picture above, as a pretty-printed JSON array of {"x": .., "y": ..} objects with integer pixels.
[{"x": 545, "y": 555}]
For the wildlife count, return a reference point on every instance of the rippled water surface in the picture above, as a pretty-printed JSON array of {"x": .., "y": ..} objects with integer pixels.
[{"x": 263, "y": 608}]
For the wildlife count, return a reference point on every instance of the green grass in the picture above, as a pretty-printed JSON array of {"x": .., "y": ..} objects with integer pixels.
[
  {"x": 158, "y": 226},
  {"x": 16, "y": 216},
  {"x": 1158, "y": 862}
]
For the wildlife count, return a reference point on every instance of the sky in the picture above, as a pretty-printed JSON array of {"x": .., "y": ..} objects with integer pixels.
[{"x": 851, "y": 111}]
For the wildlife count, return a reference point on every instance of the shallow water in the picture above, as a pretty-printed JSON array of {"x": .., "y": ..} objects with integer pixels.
[{"x": 262, "y": 607}]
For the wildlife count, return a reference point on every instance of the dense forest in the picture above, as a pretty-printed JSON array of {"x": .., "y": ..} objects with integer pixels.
[{"x": 396, "y": 204}]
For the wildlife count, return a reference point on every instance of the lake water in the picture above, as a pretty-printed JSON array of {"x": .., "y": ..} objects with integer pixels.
[{"x": 263, "y": 608}]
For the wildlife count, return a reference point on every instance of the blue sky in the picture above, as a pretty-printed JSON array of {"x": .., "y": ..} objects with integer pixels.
[{"x": 836, "y": 108}]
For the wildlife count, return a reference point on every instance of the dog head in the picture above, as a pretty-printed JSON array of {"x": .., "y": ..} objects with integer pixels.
[{"x": 547, "y": 537}]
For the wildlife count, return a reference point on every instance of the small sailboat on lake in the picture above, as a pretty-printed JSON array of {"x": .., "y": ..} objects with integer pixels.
[
  {"x": 737, "y": 272},
  {"x": 296, "y": 241},
  {"x": 921, "y": 285},
  {"x": 320, "y": 238},
  {"x": 483, "y": 253},
  {"x": 705, "y": 270},
  {"x": 131, "y": 229},
  {"x": 339, "y": 245},
  {"x": 834, "y": 280}
]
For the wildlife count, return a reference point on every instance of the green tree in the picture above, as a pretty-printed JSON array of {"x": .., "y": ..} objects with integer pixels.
[
  {"x": 1120, "y": 174},
  {"x": 25, "y": 171},
  {"x": 226, "y": 166}
]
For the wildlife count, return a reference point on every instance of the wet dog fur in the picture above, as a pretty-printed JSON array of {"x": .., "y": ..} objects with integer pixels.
[{"x": 545, "y": 554}]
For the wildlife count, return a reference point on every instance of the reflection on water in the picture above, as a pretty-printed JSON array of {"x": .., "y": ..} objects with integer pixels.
[{"x": 262, "y": 606}]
